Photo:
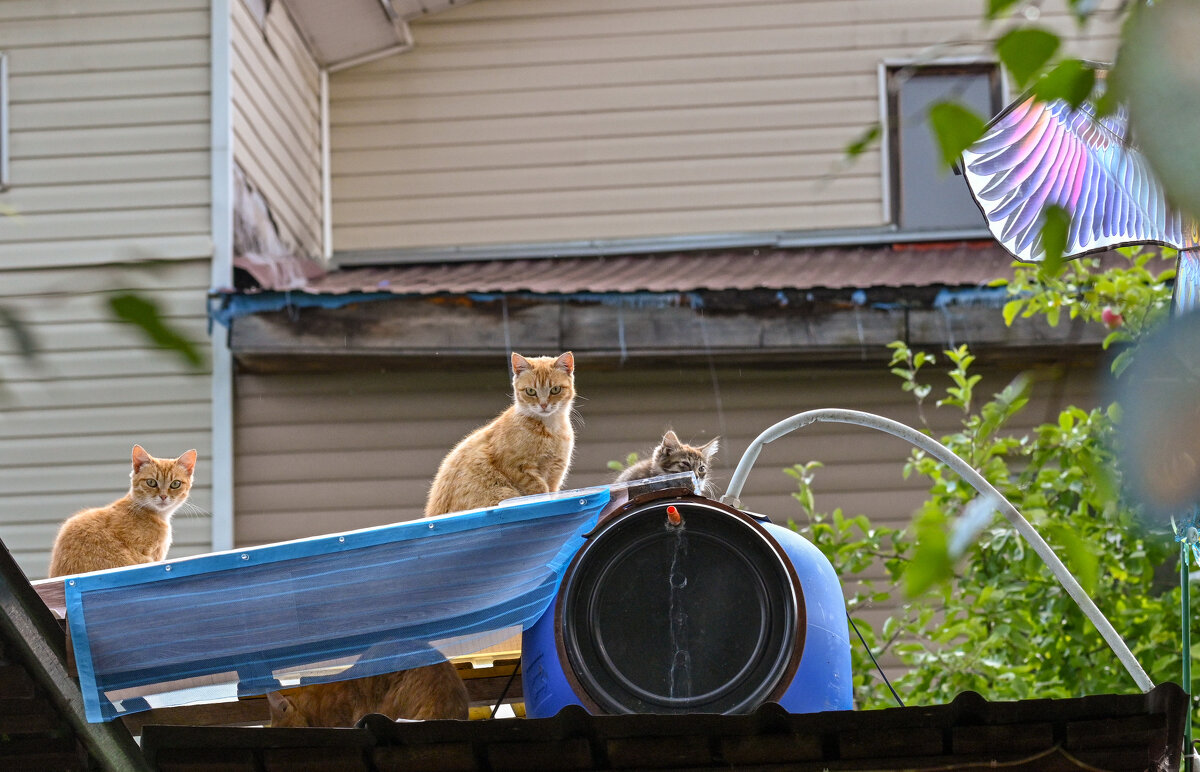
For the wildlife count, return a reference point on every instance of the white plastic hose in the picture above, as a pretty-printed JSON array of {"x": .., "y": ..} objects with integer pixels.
[{"x": 967, "y": 473}]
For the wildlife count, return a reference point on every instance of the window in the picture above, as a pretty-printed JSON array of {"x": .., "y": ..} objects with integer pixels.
[
  {"x": 3, "y": 122},
  {"x": 922, "y": 195}
]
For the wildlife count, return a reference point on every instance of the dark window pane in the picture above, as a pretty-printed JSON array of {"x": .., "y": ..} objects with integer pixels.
[{"x": 929, "y": 197}]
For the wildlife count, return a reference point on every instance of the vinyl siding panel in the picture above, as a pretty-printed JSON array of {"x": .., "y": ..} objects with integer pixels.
[
  {"x": 518, "y": 121},
  {"x": 276, "y": 121},
  {"x": 110, "y": 183},
  {"x": 324, "y": 452}
]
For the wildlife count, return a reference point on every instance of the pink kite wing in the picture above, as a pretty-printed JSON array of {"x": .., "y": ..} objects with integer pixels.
[{"x": 1039, "y": 153}]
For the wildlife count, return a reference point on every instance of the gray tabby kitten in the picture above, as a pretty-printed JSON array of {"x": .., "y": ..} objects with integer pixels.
[{"x": 672, "y": 456}]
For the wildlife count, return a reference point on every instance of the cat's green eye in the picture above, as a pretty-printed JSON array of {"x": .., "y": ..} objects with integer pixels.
[
  {"x": 531, "y": 392},
  {"x": 556, "y": 389},
  {"x": 152, "y": 483},
  {"x": 175, "y": 484}
]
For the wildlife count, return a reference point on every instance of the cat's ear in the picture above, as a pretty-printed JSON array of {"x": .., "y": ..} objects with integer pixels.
[
  {"x": 670, "y": 439},
  {"x": 566, "y": 362},
  {"x": 188, "y": 461},
  {"x": 278, "y": 702},
  {"x": 519, "y": 364},
  {"x": 140, "y": 457},
  {"x": 709, "y": 449}
]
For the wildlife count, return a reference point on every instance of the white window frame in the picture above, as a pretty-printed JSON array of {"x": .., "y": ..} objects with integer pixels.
[
  {"x": 890, "y": 185},
  {"x": 4, "y": 126}
]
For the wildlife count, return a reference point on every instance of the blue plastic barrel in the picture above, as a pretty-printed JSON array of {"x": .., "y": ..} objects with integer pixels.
[{"x": 716, "y": 614}]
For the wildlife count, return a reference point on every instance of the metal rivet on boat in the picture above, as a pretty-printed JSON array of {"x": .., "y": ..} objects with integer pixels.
[
  {"x": 431, "y": 525},
  {"x": 166, "y": 568},
  {"x": 72, "y": 582},
  {"x": 582, "y": 502},
  {"x": 342, "y": 539},
  {"x": 245, "y": 556}
]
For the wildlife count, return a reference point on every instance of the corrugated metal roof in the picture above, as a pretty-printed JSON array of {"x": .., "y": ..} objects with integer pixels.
[{"x": 902, "y": 265}]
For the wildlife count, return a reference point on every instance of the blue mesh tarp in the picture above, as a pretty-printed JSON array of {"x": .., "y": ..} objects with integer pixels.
[{"x": 327, "y": 608}]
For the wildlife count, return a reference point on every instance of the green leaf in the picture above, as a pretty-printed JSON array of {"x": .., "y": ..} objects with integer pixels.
[
  {"x": 931, "y": 562},
  {"x": 1011, "y": 308},
  {"x": 864, "y": 141},
  {"x": 143, "y": 313},
  {"x": 998, "y": 8},
  {"x": 955, "y": 128},
  {"x": 1082, "y": 560},
  {"x": 1025, "y": 51},
  {"x": 1071, "y": 81},
  {"x": 1056, "y": 222}
]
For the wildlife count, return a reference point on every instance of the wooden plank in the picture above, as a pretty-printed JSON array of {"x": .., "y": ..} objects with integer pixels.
[
  {"x": 411, "y": 83},
  {"x": 93, "y": 452},
  {"x": 104, "y": 57},
  {"x": 123, "y": 111},
  {"x": 819, "y": 149},
  {"x": 485, "y": 139},
  {"x": 139, "y": 223},
  {"x": 375, "y": 189},
  {"x": 715, "y": 217},
  {"x": 100, "y": 392},
  {"x": 135, "y": 419},
  {"x": 13, "y": 10},
  {"x": 795, "y": 90},
  {"x": 109, "y": 140},
  {"x": 585, "y": 203},
  {"x": 69, "y": 30},
  {"x": 74, "y": 170},
  {"x": 87, "y": 86},
  {"x": 52, "y": 199}
]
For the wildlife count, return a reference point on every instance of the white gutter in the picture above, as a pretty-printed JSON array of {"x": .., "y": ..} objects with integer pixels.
[
  {"x": 221, "y": 145},
  {"x": 326, "y": 184}
]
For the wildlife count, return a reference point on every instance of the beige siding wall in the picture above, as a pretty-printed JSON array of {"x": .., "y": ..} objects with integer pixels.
[
  {"x": 318, "y": 453},
  {"x": 110, "y": 167},
  {"x": 546, "y": 120},
  {"x": 277, "y": 121}
]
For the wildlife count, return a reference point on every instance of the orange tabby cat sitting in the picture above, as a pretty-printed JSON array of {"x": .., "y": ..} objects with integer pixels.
[
  {"x": 525, "y": 450},
  {"x": 430, "y": 692},
  {"x": 135, "y": 528}
]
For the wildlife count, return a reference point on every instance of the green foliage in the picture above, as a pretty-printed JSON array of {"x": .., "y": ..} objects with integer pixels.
[
  {"x": 994, "y": 620},
  {"x": 956, "y": 128},
  {"x": 143, "y": 313},
  {"x": 618, "y": 466},
  {"x": 1137, "y": 293},
  {"x": 1056, "y": 222},
  {"x": 865, "y": 140},
  {"x": 1025, "y": 51},
  {"x": 1071, "y": 81}
]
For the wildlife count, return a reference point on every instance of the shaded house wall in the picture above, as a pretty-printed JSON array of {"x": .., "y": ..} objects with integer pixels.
[
  {"x": 324, "y": 452},
  {"x": 516, "y": 121},
  {"x": 276, "y": 121},
  {"x": 109, "y": 111}
]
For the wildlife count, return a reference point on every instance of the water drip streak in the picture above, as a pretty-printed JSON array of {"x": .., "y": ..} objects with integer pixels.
[{"x": 680, "y": 676}]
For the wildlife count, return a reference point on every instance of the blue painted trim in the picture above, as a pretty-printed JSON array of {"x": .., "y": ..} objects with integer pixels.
[
  {"x": 84, "y": 667},
  {"x": 518, "y": 511}
]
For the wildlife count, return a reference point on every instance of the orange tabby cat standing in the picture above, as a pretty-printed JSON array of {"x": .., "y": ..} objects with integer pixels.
[
  {"x": 135, "y": 528},
  {"x": 523, "y": 451}
]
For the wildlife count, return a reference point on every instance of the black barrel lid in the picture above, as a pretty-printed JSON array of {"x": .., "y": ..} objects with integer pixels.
[{"x": 702, "y": 617}]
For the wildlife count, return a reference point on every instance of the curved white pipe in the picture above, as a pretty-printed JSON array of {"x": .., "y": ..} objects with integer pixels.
[{"x": 968, "y": 474}]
